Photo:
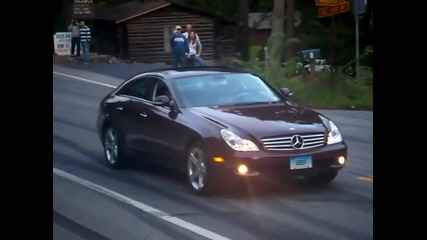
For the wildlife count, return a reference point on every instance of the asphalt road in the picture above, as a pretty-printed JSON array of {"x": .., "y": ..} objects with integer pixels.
[{"x": 91, "y": 201}]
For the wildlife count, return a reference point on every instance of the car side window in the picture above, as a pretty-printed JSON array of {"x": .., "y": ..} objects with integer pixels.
[
  {"x": 161, "y": 89},
  {"x": 140, "y": 88}
]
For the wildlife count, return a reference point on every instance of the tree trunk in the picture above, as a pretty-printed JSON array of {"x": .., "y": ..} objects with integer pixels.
[
  {"x": 243, "y": 30},
  {"x": 277, "y": 26},
  {"x": 290, "y": 26}
]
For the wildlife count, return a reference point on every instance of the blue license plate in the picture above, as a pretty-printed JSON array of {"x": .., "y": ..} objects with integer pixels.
[{"x": 301, "y": 162}]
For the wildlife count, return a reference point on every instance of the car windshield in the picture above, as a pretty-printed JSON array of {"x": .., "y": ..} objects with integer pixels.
[{"x": 224, "y": 89}]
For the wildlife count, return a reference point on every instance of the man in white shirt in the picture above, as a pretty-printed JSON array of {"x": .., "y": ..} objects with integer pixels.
[{"x": 188, "y": 29}]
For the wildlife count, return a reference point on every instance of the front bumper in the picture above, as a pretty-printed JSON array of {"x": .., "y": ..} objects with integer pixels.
[{"x": 278, "y": 163}]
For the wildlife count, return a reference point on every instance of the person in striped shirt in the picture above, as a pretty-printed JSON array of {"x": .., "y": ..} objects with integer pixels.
[{"x": 85, "y": 37}]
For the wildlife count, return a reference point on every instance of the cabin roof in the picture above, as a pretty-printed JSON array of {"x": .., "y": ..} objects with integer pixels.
[{"x": 133, "y": 9}]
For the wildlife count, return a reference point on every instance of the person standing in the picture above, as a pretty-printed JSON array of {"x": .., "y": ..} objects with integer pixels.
[
  {"x": 85, "y": 37},
  {"x": 75, "y": 37},
  {"x": 195, "y": 49},
  {"x": 180, "y": 48},
  {"x": 189, "y": 28}
]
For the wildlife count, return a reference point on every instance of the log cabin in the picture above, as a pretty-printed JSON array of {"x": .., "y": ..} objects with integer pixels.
[{"x": 140, "y": 30}]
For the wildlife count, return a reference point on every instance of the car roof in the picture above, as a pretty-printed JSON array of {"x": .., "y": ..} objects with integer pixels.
[{"x": 171, "y": 73}]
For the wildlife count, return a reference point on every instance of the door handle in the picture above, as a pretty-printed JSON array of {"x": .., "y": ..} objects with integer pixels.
[
  {"x": 119, "y": 108},
  {"x": 143, "y": 115}
]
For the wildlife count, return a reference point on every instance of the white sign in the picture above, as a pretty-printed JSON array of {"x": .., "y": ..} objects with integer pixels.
[
  {"x": 62, "y": 43},
  {"x": 83, "y": 1}
]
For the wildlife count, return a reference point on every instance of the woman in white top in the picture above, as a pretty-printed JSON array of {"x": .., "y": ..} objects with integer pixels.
[{"x": 195, "y": 50}]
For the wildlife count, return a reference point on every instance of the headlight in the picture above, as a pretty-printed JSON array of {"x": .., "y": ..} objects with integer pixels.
[
  {"x": 334, "y": 135},
  {"x": 237, "y": 143}
]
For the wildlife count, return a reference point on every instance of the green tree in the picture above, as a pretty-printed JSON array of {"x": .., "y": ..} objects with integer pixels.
[
  {"x": 277, "y": 27},
  {"x": 290, "y": 25},
  {"x": 243, "y": 28}
]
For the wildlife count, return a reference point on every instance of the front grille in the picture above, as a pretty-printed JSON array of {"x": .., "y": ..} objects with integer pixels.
[{"x": 284, "y": 143}]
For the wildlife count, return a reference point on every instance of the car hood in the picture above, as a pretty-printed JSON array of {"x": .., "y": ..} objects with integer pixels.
[{"x": 264, "y": 120}]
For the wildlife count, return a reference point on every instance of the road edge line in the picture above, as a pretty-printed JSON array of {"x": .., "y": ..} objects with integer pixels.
[
  {"x": 84, "y": 79},
  {"x": 141, "y": 206}
]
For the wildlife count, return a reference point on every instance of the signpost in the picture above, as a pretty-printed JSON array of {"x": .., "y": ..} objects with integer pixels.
[
  {"x": 332, "y": 10},
  {"x": 328, "y": 3},
  {"x": 62, "y": 43},
  {"x": 333, "y": 7},
  {"x": 359, "y": 8},
  {"x": 83, "y": 9}
]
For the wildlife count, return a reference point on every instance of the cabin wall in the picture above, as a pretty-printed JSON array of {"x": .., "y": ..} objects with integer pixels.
[{"x": 148, "y": 35}]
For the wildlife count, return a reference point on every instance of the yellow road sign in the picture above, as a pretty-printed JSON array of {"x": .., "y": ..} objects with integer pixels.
[
  {"x": 329, "y": 11},
  {"x": 327, "y": 3}
]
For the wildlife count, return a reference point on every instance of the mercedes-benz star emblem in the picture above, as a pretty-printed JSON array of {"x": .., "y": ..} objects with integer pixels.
[{"x": 297, "y": 141}]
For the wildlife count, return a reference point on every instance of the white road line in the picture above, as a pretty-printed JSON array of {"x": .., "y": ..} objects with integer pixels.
[
  {"x": 148, "y": 209},
  {"x": 84, "y": 79}
]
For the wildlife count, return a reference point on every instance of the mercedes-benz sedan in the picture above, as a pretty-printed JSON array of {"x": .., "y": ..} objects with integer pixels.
[{"x": 213, "y": 122}]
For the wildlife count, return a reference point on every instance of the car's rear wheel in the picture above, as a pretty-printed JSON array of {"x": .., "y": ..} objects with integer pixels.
[
  {"x": 114, "y": 154},
  {"x": 322, "y": 177},
  {"x": 198, "y": 176}
]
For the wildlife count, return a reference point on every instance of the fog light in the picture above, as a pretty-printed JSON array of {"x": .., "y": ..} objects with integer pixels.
[
  {"x": 341, "y": 160},
  {"x": 218, "y": 159},
  {"x": 242, "y": 169}
]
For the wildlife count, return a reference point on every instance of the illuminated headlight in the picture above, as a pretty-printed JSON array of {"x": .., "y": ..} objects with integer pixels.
[
  {"x": 334, "y": 135},
  {"x": 237, "y": 143}
]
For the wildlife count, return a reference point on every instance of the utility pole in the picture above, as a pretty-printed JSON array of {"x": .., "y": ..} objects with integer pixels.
[
  {"x": 356, "y": 16},
  {"x": 359, "y": 8}
]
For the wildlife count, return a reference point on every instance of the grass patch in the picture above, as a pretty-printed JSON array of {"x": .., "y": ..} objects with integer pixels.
[{"x": 341, "y": 92}]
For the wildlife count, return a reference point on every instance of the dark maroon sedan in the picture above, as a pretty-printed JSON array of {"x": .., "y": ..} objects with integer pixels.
[{"x": 212, "y": 122}]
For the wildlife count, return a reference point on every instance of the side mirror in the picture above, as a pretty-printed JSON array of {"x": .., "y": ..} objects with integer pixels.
[
  {"x": 161, "y": 100},
  {"x": 172, "y": 105},
  {"x": 174, "y": 110},
  {"x": 286, "y": 92}
]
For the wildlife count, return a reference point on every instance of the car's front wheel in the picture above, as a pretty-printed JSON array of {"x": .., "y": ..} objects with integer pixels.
[
  {"x": 198, "y": 176},
  {"x": 113, "y": 152},
  {"x": 322, "y": 177}
]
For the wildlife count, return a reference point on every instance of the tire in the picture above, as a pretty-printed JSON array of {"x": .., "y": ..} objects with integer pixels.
[
  {"x": 197, "y": 167},
  {"x": 113, "y": 152},
  {"x": 322, "y": 177}
]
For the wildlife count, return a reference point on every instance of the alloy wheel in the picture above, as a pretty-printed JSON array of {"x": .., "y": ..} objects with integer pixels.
[
  {"x": 197, "y": 170},
  {"x": 111, "y": 146}
]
